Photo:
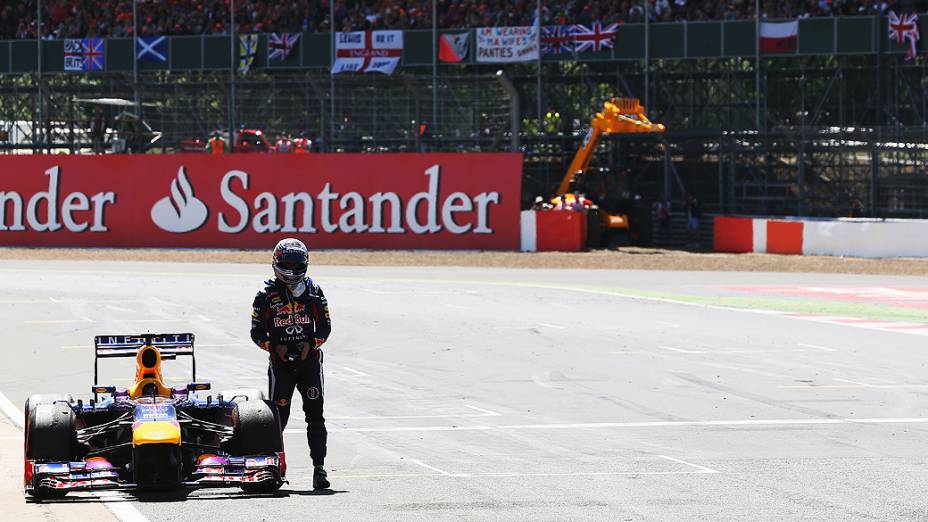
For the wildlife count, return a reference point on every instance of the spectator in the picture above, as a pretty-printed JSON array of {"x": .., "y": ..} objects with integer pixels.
[
  {"x": 664, "y": 216},
  {"x": 80, "y": 18},
  {"x": 693, "y": 215},
  {"x": 97, "y": 129}
]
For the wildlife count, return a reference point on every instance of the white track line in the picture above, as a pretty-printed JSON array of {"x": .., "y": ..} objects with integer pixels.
[
  {"x": 11, "y": 411},
  {"x": 203, "y": 317},
  {"x": 680, "y": 350},
  {"x": 59, "y": 321},
  {"x": 628, "y": 425},
  {"x": 150, "y": 320},
  {"x": 851, "y": 382},
  {"x": 553, "y": 326},
  {"x": 817, "y": 347},
  {"x": 355, "y": 372},
  {"x": 120, "y": 506},
  {"x": 702, "y": 469},
  {"x": 519, "y": 474},
  {"x": 433, "y": 468},
  {"x": 121, "y": 509},
  {"x": 487, "y": 413}
]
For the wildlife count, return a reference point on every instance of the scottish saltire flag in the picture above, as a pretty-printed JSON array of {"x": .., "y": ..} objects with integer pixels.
[
  {"x": 593, "y": 38},
  {"x": 279, "y": 45},
  {"x": 152, "y": 48},
  {"x": 557, "y": 39},
  {"x": 247, "y": 47},
  {"x": 87, "y": 54}
]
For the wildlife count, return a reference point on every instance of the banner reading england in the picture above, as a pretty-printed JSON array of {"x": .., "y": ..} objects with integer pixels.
[
  {"x": 507, "y": 44},
  {"x": 368, "y": 51}
]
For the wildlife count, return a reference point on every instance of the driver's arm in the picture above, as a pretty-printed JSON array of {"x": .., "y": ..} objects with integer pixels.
[
  {"x": 259, "y": 315},
  {"x": 321, "y": 318}
]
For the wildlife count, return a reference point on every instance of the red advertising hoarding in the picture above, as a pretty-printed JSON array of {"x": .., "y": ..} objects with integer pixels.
[{"x": 401, "y": 201}]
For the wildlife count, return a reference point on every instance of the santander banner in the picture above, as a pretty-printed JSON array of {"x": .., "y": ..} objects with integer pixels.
[{"x": 401, "y": 201}]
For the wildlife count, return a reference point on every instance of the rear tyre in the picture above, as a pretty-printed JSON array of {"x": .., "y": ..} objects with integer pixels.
[
  {"x": 256, "y": 431},
  {"x": 50, "y": 437}
]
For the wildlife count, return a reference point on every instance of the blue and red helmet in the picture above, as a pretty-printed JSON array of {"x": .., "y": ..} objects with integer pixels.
[{"x": 291, "y": 259}]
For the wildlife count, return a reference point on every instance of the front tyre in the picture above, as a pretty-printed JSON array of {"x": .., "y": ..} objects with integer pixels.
[
  {"x": 256, "y": 428},
  {"x": 256, "y": 431},
  {"x": 50, "y": 437}
]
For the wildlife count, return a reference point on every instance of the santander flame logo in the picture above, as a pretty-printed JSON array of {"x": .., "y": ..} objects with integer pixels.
[{"x": 181, "y": 211}]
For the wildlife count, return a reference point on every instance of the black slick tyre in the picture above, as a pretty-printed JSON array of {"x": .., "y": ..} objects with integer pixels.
[
  {"x": 50, "y": 437},
  {"x": 256, "y": 431}
]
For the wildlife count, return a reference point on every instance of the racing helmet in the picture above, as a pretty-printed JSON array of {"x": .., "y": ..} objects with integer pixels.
[{"x": 291, "y": 259}]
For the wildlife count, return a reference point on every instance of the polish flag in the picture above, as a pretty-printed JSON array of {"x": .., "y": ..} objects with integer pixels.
[{"x": 779, "y": 37}]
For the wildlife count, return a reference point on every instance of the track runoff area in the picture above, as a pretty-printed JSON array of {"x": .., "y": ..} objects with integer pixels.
[{"x": 522, "y": 394}]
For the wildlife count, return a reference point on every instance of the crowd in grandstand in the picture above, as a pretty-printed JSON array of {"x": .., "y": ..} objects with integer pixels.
[{"x": 80, "y": 18}]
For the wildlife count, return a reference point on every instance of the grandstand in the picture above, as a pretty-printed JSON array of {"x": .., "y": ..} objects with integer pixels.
[{"x": 833, "y": 126}]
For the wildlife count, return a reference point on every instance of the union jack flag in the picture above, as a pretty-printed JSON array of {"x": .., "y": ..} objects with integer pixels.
[
  {"x": 557, "y": 39},
  {"x": 279, "y": 45},
  {"x": 84, "y": 55},
  {"x": 904, "y": 30},
  {"x": 593, "y": 38}
]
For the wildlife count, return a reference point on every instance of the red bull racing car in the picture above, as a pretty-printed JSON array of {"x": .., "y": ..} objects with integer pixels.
[{"x": 151, "y": 435}]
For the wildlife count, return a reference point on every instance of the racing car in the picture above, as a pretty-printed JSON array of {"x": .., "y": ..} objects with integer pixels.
[{"x": 151, "y": 435}]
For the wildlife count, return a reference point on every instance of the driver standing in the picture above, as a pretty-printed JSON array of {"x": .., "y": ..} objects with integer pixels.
[{"x": 290, "y": 320}]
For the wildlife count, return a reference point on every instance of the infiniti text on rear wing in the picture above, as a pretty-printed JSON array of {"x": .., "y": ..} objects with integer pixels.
[{"x": 169, "y": 345}]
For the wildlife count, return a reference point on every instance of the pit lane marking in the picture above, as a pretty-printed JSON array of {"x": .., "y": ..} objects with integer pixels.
[
  {"x": 59, "y": 321},
  {"x": 516, "y": 474},
  {"x": 701, "y": 469},
  {"x": 433, "y": 468},
  {"x": 355, "y": 372},
  {"x": 818, "y": 347},
  {"x": 485, "y": 412},
  {"x": 842, "y": 421},
  {"x": 680, "y": 350}
]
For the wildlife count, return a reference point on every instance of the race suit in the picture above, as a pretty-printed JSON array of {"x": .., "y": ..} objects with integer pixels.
[{"x": 280, "y": 318}]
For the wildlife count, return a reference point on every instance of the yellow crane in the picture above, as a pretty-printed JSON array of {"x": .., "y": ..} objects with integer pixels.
[{"x": 619, "y": 116}]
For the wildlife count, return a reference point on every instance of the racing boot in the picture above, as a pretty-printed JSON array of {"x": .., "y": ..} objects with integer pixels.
[{"x": 320, "y": 478}]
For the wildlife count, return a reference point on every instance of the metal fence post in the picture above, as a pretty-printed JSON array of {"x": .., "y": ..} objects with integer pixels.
[
  {"x": 647, "y": 54},
  {"x": 38, "y": 132},
  {"x": 514, "y": 116},
  {"x": 231, "y": 76}
]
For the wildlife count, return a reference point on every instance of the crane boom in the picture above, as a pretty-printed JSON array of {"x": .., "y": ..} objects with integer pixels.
[{"x": 619, "y": 116}]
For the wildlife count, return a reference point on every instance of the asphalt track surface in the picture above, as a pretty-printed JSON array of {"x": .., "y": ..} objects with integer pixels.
[{"x": 481, "y": 394}]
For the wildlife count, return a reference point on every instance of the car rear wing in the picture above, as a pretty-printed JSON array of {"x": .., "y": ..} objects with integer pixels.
[{"x": 169, "y": 345}]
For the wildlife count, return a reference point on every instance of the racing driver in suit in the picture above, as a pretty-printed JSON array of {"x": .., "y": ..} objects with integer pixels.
[{"x": 290, "y": 320}]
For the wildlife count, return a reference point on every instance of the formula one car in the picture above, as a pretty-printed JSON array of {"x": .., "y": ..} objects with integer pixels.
[{"x": 151, "y": 435}]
